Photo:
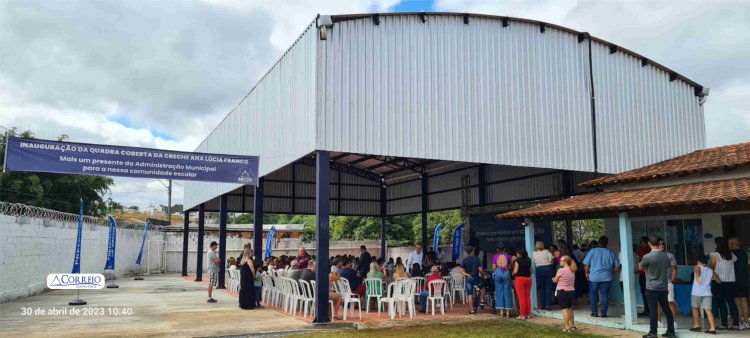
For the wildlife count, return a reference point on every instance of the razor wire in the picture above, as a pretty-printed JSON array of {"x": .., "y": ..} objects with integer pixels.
[{"x": 23, "y": 210}]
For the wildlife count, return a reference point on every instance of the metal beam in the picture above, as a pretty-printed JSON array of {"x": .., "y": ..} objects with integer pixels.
[
  {"x": 201, "y": 233},
  {"x": 482, "y": 178},
  {"x": 185, "y": 238},
  {"x": 425, "y": 208},
  {"x": 383, "y": 215},
  {"x": 416, "y": 167},
  {"x": 258, "y": 219},
  {"x": 356, "y": 171},
  {"x": 322, "y": 233},
  {"x": 222, "y": 240}
]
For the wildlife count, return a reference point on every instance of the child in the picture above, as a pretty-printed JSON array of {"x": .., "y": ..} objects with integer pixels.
[
  {"x": 258, "y": 287},
  {"x": 700, "y": 296}
]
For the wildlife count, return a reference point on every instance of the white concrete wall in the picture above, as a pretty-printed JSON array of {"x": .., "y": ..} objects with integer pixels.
[{"x": 33, "y": 248}]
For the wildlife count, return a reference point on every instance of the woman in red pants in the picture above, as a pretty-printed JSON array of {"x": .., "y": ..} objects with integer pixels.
[{"x": 522, "y": 272}]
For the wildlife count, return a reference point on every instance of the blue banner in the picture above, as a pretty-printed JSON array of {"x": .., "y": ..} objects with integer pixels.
[
  {"x": 458, "y": 241},
  {"x": 110, "y": 264},
  {"x": 143, "y": 242},
  {"x": 77, "y": 258},
  {"x": 269, "y": 241},
  {"x": 23, "y": 154},
  {"x": 436, "y": 239}
]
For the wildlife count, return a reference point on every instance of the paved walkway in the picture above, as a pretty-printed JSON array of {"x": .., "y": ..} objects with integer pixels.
[{"x": 165, "y": 305}]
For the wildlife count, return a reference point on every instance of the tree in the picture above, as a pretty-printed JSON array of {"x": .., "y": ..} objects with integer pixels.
[
  {"x": 178, "y": 208},
  {"x": 450, "y": 219},
  {"x": 114, "y": 206},
  {"x": 53, "y": 191},
  {"x": 134, "y": 208}
]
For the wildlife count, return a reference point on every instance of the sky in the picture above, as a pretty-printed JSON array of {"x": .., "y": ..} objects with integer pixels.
[{"x": 163, "y": 74}]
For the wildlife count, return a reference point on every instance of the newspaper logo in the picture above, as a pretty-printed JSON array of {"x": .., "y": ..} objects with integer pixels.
[{"x": 59, "y": 281}]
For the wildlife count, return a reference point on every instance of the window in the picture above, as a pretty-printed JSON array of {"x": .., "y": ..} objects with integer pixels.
[{"x": 683, "y": 237}]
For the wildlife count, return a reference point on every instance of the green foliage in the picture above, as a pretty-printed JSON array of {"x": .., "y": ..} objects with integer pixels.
[
  {"x": 584, "y": 231},
  {"x": 53, "y": 191},
  {"x": 450, "y": 219}
]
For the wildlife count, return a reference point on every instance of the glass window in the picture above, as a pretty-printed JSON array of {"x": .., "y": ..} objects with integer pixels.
[{"x": 683, "y": 237}]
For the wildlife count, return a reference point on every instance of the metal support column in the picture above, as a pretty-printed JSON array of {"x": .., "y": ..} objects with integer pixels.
[
  {"x": 482, "y": 178},
  {"x": 201, "y": 233},
  {"x": 569, "y": 232},
  {"x": 628, "y": 266},
  {"x": 185, "y": 242},
  {"x": 258, "y": 220},
  {"x": 222, "y": 240},
  {"x": 425, "y": 207},
  {"x": 529, "y": 240},
  {"x": 322, "y": 233},
  {"x": 383, "y": 214}
]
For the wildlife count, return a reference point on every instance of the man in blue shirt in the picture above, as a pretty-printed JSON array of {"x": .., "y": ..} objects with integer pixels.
[
  {"x": 600, "y": 264},
  {"x": 472, "y": 268},
  {"x": 351, "y": 275}
]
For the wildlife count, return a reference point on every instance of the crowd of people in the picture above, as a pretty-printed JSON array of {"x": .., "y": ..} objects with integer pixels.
[{"x": 564, "y": 274}]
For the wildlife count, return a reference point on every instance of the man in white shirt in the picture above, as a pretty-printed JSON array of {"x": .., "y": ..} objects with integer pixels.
[{"x": 415, "y": 257}]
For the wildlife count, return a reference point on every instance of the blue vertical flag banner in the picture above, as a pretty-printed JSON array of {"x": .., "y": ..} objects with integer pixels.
[
  {"x": 143, "y": 242},
  {"x": 269, "y": 241},
  {"x": 436, "y": 240},
  {"x": 77, "y": 258},
  {"x": 110, "y": 264},
  {"x": 458, "y": 241}
]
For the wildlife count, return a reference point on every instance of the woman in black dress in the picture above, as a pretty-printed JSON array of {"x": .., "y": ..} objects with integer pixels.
[{"x": 247, "y": 279}]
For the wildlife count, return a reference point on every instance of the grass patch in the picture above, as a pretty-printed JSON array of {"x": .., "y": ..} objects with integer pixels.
[{"x": 479, "y": 328}]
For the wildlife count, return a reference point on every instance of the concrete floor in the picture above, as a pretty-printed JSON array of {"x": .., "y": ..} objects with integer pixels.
[{"x": 165, "y": 305}]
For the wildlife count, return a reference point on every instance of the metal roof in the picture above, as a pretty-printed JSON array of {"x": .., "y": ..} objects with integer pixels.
[{"x": 397, "y": 96}]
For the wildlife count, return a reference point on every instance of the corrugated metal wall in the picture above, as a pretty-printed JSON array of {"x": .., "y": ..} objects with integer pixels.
[
  {"x": 276, "y": 120},
  {"x": 511, "y": 97},
  {"x": 450, "y": 91},
  {"x": 641, "y": 116}
]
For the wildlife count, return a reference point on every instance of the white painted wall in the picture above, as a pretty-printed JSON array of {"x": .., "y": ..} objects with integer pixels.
[{"x": 31, "y": 248}]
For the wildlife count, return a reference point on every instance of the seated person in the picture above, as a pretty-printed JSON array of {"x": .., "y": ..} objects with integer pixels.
[
  {"x": 424, "y": 294},
  {"x": 350, "y": 274},
  {"x": 334, "y": 296}
]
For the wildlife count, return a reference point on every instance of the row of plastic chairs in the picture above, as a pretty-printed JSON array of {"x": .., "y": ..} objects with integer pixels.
[
  {"x": 290, "y": 295},
  {"x": 233, "y": 280}
]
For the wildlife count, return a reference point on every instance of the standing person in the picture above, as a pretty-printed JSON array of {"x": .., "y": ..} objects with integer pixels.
[
  {"x": 415, "y": 257},
  {"x": 213, "y": 270},
  {"x": 440, "y": 255},
  {"x": 722, "y": 262},
  {"x": 656, "y": 265},
  {"x": 503, "y": 300},
  {"x": 670, "y": 285},
  {"x": 741, "y": 277},
  {"x": 247, "y": 279},
  {"x": 302, "y": 258},
  {"x": 522, "y": 272},
  {"x": 700, "y": 296},
  {"x": 472, "y": 267},
  {"x": 565, "y": 279},
  {"x": 364, "y": 262},
  {"x": 643, "y": 249},
  {"x": 545, "y": 270},
  {"x": 600, "y": 264}
]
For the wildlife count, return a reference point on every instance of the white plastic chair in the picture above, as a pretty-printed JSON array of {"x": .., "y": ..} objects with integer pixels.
[
  {"x": 394, "y": 292},
  {"x": 266, "y": 291},
  {"x": 459, "y": 285},
  {"x": 348, "y": 297},
  {"x": 448, "y": 282},
  {"x": 436, "y": 293},
  {"x": 374, "y": 290},
  {"x": 306, "y": 300},
  {"x": 314, "y": 295},
  {"x": 406, "y": 299}
]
